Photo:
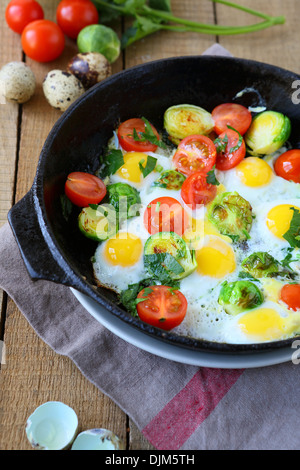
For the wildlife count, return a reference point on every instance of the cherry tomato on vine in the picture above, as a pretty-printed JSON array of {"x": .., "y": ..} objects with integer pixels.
[
  {"x": 129, "y": 142},
  {"x": 233, "y": 150},
  {"x": 196, "y": 190},
  {"x": 19, "y": 13},
  {"x": 162, "y": 307},
  {"x": 233, "y": 115},
  {"x": 84, "y": 188},
  {"x": 165, "y": 214},
  {"x": 43, "y": 40},
  {"x": 74, "y": 15},
  {"x": 288, "y": 166},
  {"x": 195, "y": 153},
  {"x": 290, "y": 295}
]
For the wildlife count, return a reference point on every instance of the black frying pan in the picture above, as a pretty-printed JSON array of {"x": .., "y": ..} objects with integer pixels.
[{"x": 53, "y": 248}]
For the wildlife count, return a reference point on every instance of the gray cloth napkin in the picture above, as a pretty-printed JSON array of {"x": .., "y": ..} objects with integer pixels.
[{"x": 176, "y": 406}]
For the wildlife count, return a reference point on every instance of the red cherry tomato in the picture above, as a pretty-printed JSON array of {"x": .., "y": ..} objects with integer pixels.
[
  {"x": 196, "y": 191},
  {"x": 233, "y": 115},
  {"x": 43, "y": 40},
  {"x": 163, "y": 307},
  {"x": 234, "y": 153},
  {"x": 83, "y": 189},
  {"x": 288, "y": 166},
  {"x": 74, "y": 15},
  {"x": 19, "y": 13},
  {"x": 165, "y": 214},
  {"x": 290, "y": 295},
  {"x": 126, "y": 136},
  {"x": 195, "y": 153}
]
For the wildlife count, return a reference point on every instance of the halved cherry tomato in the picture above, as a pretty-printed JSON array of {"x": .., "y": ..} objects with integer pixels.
[
  {"x": 127, "y": 140},
  {"x": 288, "y": 166},
  {"x": 43, "y": 40},
  {"x": 19, "y": 13},
  {"x": 83, "y": 189},
  {"x": 195, "y": 153},
  {"x": 196, "y": 191},
  {"x": 165, "y": 214},
  {"x": 290, "y": 295},
  {"x": 74, "y": 15},
  {"x": 163, "y": 307},
  {"x": 234, "y": 153},
  {"x": 233, "y": 115}
]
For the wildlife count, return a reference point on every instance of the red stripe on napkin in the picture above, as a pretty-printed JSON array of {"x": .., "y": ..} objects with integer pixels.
[{"x": 177, "y": 421}]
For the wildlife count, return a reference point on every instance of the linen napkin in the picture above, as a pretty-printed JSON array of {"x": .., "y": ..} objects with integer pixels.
[{"x": 176, "y": 406}]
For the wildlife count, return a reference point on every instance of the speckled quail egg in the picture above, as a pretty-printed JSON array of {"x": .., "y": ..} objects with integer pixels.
[
  {"x": 97, "y": 439},
  {"x": 17, "y": 82},
  {"x": 61, "y": 89},
  {"x": 52, "y": 426},
  {"x": 90, "y": 68}
]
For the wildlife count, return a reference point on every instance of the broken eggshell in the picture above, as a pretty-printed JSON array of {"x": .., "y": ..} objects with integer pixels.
[
  {"x": 52, "y": 426},
  {"x": 90, "y": 68},
  {"x": 97, "y": 439}
]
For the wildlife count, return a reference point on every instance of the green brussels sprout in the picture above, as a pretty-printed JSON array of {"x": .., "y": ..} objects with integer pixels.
[
  {"x": 232, "y": 215},
  {"x": 170, "y": 179},
  {"x": 125, "y": 199},
  {"x": 183, "y": 120},
  {"x": 262, "y": 264},
  {"x": 98, "y": 223},
  {"x": 238, "y": 296},
  {"x": 268, "y": 132},
  {"x": 99, "y": 38},
  {"x": 167, "y": 256}
]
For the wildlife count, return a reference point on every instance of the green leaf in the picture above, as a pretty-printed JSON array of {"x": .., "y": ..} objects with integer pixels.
[
  {"x": 128, "y": 296},
  {"x": 140, "y": 28},
  {"x": 163, "y": 265},
  {"x": 164, "y": 5},
  {"x": 293, "y": 234},
  {"x": 150, "y": 165},
  {"x": 240, "y": 141},
  {"x": 221, "y": 144},
  {"x": 289, "y": 258},
  {"x": 211, "y": 178},
  {"x": 112, "y": 161}
]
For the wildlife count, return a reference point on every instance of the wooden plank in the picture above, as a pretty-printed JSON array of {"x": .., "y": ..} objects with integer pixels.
[{"x": 277, "y": 45}]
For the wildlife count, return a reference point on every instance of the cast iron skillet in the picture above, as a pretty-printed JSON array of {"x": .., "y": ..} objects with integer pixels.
[{"x": 53, "y": 248}]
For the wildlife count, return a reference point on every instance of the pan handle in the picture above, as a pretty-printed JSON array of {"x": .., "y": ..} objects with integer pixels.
[{"x": 35, "y": 251}]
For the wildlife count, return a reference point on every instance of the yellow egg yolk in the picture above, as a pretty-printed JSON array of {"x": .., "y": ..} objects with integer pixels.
[
  {"x": 125, "y": 249},
  {"x": 254, "y": 172},
  {"x": 131, "y": 171},
  {"x": 279, "y": 219},
  {"x": 265, "y": 324},
  {"x": 215, "y": 259}
]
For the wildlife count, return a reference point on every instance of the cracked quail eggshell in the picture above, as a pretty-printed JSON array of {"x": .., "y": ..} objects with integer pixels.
[
  {"x": 61, "y": 89},
  {"x": 97, "y": 439},
  {"x": 90, "y": 68},
  {"x": 52, "y": 426}
]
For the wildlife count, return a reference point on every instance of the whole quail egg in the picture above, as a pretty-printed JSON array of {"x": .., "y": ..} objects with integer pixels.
[
  {"x": 61, "y": 89},
  {"x": 17, "y": 82},
  {"x": 90, "y": 68}
]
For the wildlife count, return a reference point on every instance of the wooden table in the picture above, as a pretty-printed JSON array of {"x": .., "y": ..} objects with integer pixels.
[{"x": 33, "y": 373}]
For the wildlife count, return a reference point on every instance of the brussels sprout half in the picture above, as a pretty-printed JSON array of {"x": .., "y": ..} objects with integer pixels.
[
  {"x": 239, "y": 296},
  {"x": 183, "y": 120},
  {"x": 262, "y": 264},
  {"x": 268, "y": 132},
  {"x": 99, "y": 223},
  {"x": 232, "y": 215},
  {"x": 167, "y": 255},
  {"x": 125, "y": 199}
]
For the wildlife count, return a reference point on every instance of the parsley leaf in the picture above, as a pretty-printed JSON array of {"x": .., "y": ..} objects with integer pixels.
[
  {"x": 148, "y": 135},
  {"x": 162, "y": 266},
  {"x": 112, "y": 161},
  {"x": 211, "y": 177},
  {"x": 150, "y": 165},
  {"x": 221, "y": 144},
  {"x": 289, "y": 259},
  {"x": 240, "y": 141},
  {"x": 128, "y": 296},
  {"x": 293, "y": 234}
]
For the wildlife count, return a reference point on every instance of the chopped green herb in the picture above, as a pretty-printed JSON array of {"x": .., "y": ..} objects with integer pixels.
[
  {"x": 211, "y": 178},
  {"x": 289, "y": 259},
  {"x": 148, "y": 135},
  {"x": 293, "y": 234},
  {"x": 150, "y": 165},
  {"x": 112, "y": 162},
  {"x": 221, "y": 144},
  {"x": 162, "y": 265}
]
